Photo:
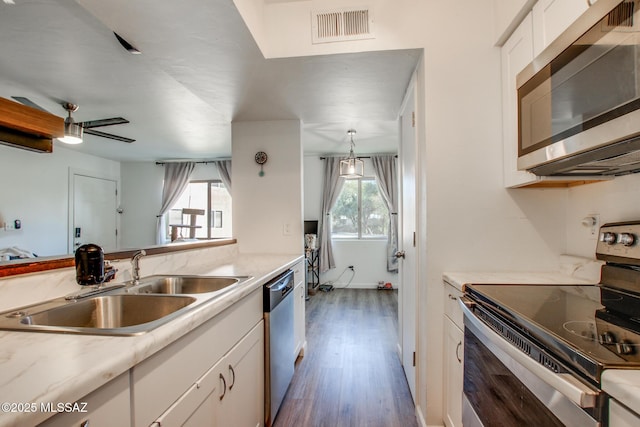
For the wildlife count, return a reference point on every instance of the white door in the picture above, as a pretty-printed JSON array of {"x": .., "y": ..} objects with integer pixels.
[
  {"x": 94, "y": 216},
  {"x": 406, "y": 241}
]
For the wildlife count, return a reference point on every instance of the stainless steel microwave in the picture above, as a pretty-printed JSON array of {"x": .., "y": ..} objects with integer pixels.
[{"x": 579, "y": 100}]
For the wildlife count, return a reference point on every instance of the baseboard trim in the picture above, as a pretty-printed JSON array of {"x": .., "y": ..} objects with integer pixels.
[{"x": 420, "y": 417}]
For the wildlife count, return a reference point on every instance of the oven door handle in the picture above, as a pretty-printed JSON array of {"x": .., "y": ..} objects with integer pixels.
[{"x": 574, "y": 390}]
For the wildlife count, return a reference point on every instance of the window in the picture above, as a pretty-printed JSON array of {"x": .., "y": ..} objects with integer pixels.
[
  {"x": 360, "y": 212},
  {"x": 211, "y": 197}
]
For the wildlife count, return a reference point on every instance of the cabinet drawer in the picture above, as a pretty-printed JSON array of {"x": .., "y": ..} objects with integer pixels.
[
  {"x": 160, "y": 380},
  {"x": 451, "y": 306},
  {"x": 298, "y": 273},
  {"x": 107, "y": 406}
]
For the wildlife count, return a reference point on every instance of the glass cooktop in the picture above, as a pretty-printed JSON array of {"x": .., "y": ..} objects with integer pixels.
[{"x": 570, "y": 320}]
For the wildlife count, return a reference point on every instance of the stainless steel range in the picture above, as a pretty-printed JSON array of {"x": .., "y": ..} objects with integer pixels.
[{"x": 534, "y": 354}]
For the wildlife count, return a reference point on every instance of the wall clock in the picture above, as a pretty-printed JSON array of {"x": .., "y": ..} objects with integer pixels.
[{"x": 261, "y": 159}]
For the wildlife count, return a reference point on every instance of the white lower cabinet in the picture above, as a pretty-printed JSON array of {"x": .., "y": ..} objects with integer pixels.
[
  {"x": 242, "y": 402},
  {"x": 231, "y": 393},
  {"x": 105, "y": 407},
  {"x": 620, "y": 416},
  {"x": 453, "y": 358},
  {"x": 214, "y": 375},
  {"x": 454, "y": 373},
  {"x": 299, "y": 321}
]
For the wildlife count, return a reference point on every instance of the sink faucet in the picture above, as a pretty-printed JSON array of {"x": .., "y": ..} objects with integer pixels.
[{"x": 135, "y": 265}]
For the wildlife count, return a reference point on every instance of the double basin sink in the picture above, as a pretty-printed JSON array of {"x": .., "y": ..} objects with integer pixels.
[{"x": 129, "y": 309}]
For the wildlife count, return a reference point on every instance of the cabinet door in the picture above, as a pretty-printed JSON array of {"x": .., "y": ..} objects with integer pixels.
[
  {"x": 198, "y": 406},
  {"x": 454, "y": 373},
  {"x": 517, "y": 53},
  {"x": 619, "y": 416},
  {"x": 241, "y": 376},
  {"x": 108, "y": 406},
  {"x": 551, "y": 18}
]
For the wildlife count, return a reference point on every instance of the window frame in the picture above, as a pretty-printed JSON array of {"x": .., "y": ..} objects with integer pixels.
[
  {"x": 208, "y": 211},
  {"x": 359, "y": 236}
]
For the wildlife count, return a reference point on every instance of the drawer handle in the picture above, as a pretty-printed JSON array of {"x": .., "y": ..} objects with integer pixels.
[
  {"x": 452, "y": 298},
  {"x": 233, "y": 377},
  {"x": 224, "y": 386},
  {"x": 458, "y": 351}
]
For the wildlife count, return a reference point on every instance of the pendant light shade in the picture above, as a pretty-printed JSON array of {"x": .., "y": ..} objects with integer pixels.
[{"x": 351, "y": 167}]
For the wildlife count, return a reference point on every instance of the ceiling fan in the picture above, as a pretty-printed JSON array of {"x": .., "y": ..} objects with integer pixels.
[{"x": 76, "y": 129}]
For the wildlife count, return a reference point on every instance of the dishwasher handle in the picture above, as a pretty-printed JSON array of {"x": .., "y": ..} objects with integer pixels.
[{"x": 277, "y": 290}]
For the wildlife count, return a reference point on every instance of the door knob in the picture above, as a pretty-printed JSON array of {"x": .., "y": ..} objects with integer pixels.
[{"x": 400, "y": 254}]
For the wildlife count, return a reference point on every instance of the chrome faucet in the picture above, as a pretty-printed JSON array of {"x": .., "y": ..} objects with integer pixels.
[{"x": 135, "y": 265}]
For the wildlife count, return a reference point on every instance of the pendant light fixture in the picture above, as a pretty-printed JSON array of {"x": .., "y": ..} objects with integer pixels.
[
  {"x": 351, "y": 167},
  {"x": 72, "y": 130}
]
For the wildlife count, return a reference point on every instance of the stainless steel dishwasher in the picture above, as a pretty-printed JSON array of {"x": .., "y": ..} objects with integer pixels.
[{"x": 279, "y": 342}]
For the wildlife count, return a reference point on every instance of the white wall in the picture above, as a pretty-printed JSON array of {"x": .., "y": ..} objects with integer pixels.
[
  {"x": 614, "y": 201},
  {"x": 35, "y": 189},
  {"x": 142, "y": 198},
  {"x": 468, "y": 221},
  {"x": 140, "y": 201},
  {"x": 368, "y": 257},
  {"x": 264, "y": 206},
  {"x": 285, "y": 27}
]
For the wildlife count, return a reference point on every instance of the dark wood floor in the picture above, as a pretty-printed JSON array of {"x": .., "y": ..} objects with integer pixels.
[{"x": 351, "y": 373}]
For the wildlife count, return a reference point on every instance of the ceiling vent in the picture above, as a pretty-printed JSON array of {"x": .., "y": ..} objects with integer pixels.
[{"x": 343, "y": 24}]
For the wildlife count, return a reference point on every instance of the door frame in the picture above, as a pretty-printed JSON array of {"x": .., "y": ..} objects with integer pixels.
[{"x": 73, "y": 172}]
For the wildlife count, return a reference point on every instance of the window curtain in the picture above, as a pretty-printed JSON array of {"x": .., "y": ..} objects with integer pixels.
[
  {"x": 332, "y": 184},
  {"x": 387, "y": 177},
  {"x": 176, "y": 179},
  {"x": 224, "y": 168}
]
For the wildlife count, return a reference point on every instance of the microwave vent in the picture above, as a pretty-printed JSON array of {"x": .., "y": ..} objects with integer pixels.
[
  {"x": 626, "y": 159},
  {"x": 342, "y": 25}
]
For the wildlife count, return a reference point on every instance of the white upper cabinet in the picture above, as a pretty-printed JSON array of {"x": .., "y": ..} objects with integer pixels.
[
  {"x": 517, "y": 53},
  {"x": 551, "y": 18}
]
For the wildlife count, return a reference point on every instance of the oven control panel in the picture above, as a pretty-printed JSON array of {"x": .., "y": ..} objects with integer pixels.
[{"x": 619, "y": 240}]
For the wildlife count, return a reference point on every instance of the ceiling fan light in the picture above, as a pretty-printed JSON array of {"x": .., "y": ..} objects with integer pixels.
[{"x": 72, "y": 133}]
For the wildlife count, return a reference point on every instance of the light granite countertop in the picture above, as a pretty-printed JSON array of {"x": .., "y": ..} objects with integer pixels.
[
  {"x": 459, "y": 280},
  {"x": 48, "y": 367},
  {"x": 571, "y": 271},
  {"x": 624, "y": 386}
]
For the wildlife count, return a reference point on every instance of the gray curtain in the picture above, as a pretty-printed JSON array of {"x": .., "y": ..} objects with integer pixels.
[
  {"x": 387, "y": 177},
  {"x": 176, "y": 179},
  {"x": 330, "y": 191},
  {"x": 224, "y": 168}
]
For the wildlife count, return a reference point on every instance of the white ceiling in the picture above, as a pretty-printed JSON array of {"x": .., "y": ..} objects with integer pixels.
[{"x": 199, "y": 70}]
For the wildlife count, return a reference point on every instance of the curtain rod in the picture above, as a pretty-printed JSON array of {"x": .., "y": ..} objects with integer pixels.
[
  {"x": 193, "y": 161},
  {"x": 357, "y": 157}
]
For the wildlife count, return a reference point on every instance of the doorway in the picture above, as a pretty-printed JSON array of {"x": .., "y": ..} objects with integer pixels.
[{"x": 93, "y": 216}]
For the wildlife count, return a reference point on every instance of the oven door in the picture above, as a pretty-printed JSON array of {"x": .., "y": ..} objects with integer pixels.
[{"x": 505, "y": 387}]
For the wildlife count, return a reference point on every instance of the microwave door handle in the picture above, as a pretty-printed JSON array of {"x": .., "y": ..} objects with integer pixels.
[{"x": 577, "y": 392}]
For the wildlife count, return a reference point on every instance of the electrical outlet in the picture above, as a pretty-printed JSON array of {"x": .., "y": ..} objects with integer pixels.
[
  {"x": 8, "y": 226},
  {"x": 286, "y": 229},
  {"x": 592, "y": 223}
]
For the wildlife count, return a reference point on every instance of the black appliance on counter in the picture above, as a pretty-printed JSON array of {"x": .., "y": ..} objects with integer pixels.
[
  {"x": 534, "y": 354},
  {"x": 89, "y": 260}
]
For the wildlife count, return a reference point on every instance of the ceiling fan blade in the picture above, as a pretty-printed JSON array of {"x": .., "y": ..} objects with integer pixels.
[
  {"x": 104, "y": 122},
  {"x": 108, "y": 135},
  {"x": 29, "y": 103}
]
